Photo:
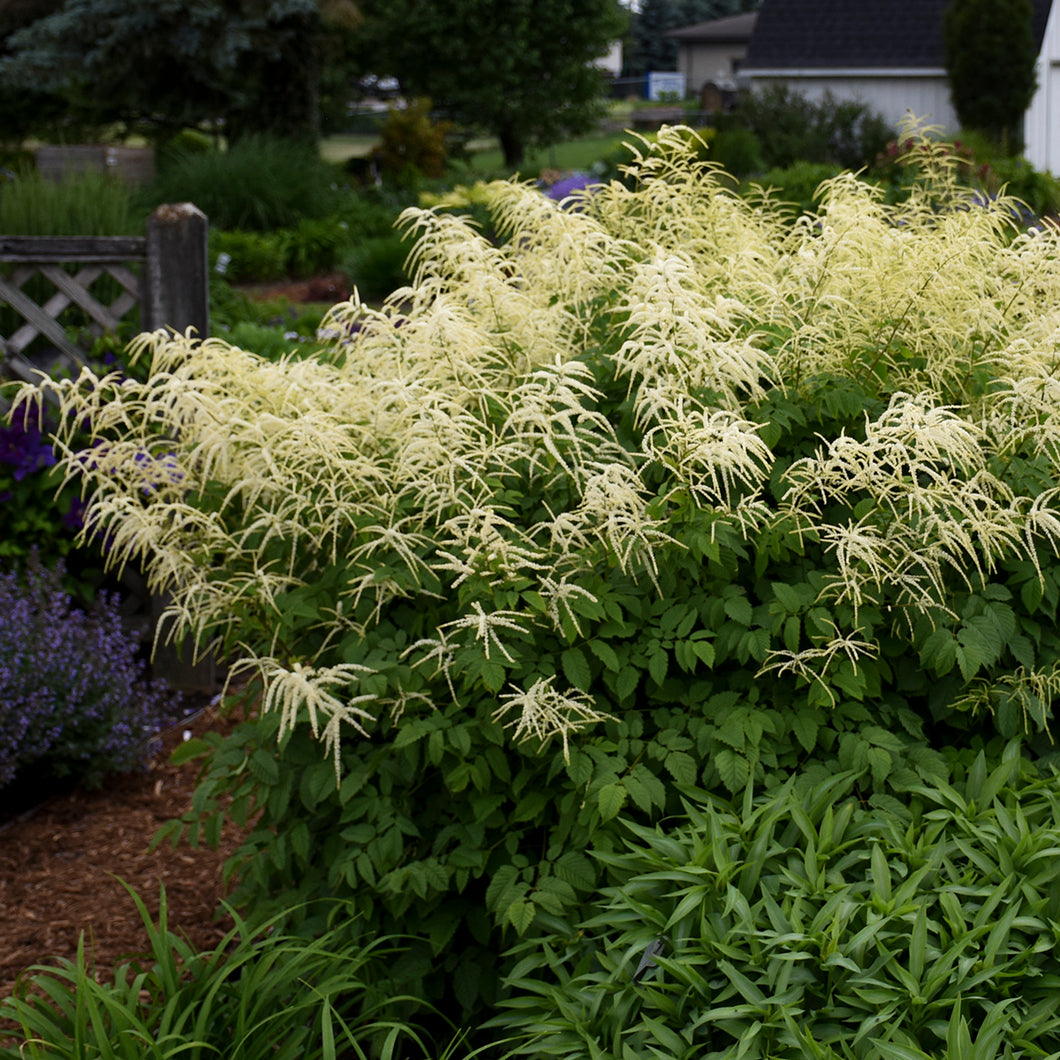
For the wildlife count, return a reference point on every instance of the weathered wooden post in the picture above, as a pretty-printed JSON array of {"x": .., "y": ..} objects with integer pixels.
[
  {"x": 177, "y": 295},
  {"x": 177, "y": 291}
]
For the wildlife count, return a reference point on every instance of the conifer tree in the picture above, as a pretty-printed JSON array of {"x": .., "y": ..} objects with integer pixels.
[{"x": 990, "y": 59}]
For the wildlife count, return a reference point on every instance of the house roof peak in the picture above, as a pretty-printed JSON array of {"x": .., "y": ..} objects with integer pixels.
[{"x": 866, "y": 34}]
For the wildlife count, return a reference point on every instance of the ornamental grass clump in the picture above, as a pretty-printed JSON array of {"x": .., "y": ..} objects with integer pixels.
[
  {"x": 74, "y": 697},
  {"x": 647, "y": 490}
]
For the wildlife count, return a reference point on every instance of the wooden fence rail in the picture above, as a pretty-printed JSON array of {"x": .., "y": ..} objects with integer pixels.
[{"x": 166, "y": 271}]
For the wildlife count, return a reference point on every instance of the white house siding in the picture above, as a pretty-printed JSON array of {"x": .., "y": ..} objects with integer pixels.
[
  {"x": 1041, "y": 124},
  {"x": 893, "y": 93},
  {"x": 701, "y": 63}
]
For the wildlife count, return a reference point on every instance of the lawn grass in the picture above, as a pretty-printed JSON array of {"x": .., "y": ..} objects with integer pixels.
[
  {"x": 486, "y": 158},
  {"x": 574, "y": 154},
  {"x": 344, "y": 147}
]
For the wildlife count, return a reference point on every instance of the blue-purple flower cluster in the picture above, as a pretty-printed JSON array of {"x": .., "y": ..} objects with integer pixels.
[
  {"x": 568, "y": 185},
  {"x": 24, "y": 449},
  {"x": 74, "y": 696}
]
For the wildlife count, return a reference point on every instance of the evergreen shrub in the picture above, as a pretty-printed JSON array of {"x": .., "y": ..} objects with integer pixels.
[
  {"x": 793, "y": 128},
  {"x": 658, "y": 491}
]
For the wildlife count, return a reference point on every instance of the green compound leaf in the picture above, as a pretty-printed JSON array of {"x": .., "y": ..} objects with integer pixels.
[
  {"x": 682, "y": 767},
  {"x": 610, "y": 799},
  {"x": 576, "y": 669},
  {"x": 520, "y": 915},
  {"x": 263, "y": 767},
  {"x": 733, "y": 768},
  {"x": 606, "y": 654}
]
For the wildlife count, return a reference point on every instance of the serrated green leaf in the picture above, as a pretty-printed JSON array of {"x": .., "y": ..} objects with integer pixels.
[
  {"x": 189, "y": 749},
  {"x": 576, "y": 869},
  {"x": 733, "y": 731},
  {"x": 658, "y": 664},
  {"x": 967, "y": 660},
  {"x": 638, "y": 793},
  {"x": 520, "y": 914},
  {"x": 627, "y": 681},
  {"x": 738, "y": 608},
  {"x": 411, "y": 731},
  {"x": 1031, "y": 595},
  {"x": 788, "y": 597},
  {"x": 466, "y": 981},
  {"x": 733, "y": 768},
  {"x": 504, "y": 882},
  {"x": 263, "y": 767},
  {"x": 606, "y": 654},
  {"x": 493, "y": 675},
  {"x": 317, "y": 783},
  {"x": 579, "y": 768},
  {"x": 881, "y": 764},
  {"x": 299, "y": 837},
  {"x": 576, "y": 669},
  {"x": 804, "y": 725},
  {"x": 610, "y": 799},
  {"x": 704, "y": 651},
  {"x": 682, "y": 767}
]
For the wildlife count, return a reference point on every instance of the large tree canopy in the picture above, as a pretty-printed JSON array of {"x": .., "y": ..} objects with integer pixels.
[
  {"x": 26, "y": 109},
  {"x": 170, "y": 63},
  {"x": 990, "y": 59},
  {"x": 521, "y": 68}
]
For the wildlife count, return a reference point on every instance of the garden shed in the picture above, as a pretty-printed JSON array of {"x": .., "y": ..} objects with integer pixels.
[
  {"x": 713, "y": 52},
  {"x": 889, "y": 54}
]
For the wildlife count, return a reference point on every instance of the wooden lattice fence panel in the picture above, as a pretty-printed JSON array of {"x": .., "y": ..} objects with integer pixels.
[
  {"x": 165, "y": 271},
  {"x": 122, "y": 259}
]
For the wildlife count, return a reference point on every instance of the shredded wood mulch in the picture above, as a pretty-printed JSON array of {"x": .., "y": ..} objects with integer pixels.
[{"x": 59, "y": 862}]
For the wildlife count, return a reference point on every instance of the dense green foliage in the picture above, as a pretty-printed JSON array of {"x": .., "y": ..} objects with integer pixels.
[
  {"x": 411, "y": 144},
  {"x": 260, "y": 182},
  {"x": 792, "y": 128},
  {"x": 521, "y": 70},
  {"x": 162, "y": 66},
  {"x": 990, "y": 62},
  {"x": 86, "y": 204},
  {"x": 802, "y": 921},
  {"x": 690, "y": 495}
]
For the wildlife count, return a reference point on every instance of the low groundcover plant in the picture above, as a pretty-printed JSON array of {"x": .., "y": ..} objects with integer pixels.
[{"x": 650, "y": 490}]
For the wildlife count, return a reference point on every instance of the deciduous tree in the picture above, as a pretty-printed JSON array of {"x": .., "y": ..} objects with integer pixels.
[{"x": 523, "y": 69}]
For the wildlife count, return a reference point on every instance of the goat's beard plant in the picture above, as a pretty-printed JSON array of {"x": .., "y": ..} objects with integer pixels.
[{"x": 655, "y": 476}]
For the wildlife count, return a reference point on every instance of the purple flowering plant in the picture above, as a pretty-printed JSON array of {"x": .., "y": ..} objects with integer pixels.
[
  {"x": 559, "y": 187},
  {"x": 75, "y": 697},
  {"x": 36, "y": 511}
]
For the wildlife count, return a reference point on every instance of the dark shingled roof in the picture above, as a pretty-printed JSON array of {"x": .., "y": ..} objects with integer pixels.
[
  {"x": 858, "y": 34},
  {"x": 733, "y": 28}
]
